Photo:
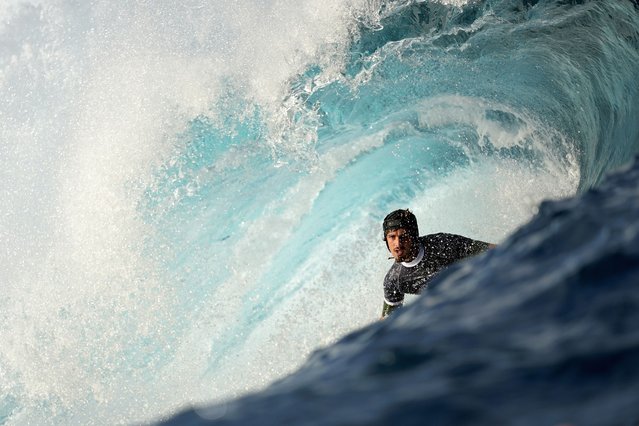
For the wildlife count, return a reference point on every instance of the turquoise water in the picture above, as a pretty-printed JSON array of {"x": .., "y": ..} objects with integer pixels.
[{"x": 193, "y": 193}]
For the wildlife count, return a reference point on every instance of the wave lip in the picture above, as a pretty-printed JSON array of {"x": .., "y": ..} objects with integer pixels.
[{"x": 538, "y": 331}]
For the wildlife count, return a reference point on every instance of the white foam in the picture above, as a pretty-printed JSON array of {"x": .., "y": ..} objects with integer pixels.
[{"x": 95, "y": 96}]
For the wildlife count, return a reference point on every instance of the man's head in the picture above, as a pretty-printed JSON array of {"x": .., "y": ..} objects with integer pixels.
[{"x": 401, "y": 234}]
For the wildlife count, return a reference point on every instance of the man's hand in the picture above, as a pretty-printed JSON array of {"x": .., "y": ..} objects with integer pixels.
[{"x": 388, "y": 309}]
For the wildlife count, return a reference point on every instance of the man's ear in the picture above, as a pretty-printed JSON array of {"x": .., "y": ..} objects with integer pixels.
[{"x": 386, "y": 241}]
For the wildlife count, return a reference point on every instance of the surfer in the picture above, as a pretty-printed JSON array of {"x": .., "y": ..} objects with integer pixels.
[{"x": 418, "y": 259}]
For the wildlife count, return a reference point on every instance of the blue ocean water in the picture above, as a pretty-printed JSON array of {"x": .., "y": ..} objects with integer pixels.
[
  {"x": 192, "y": 198},
  {"x": 537, "y": 331}
]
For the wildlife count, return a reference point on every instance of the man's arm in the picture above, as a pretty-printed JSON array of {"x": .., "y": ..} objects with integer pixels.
[
  {"x": 388, "y": 309},
  {"x": 476, "y": 247},
  {"x": 458, "y": 247}
]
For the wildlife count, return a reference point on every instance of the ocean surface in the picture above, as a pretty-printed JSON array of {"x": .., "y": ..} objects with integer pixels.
[{"x": 192, "y": 196}]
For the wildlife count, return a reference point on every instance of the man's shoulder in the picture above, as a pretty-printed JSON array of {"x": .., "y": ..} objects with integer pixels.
[
  {"x": 393, "y": 272},
  {"x": 394, "y": 267},
  {"x": 443, "y": 244},
  {"x": 436, "y": 238}
]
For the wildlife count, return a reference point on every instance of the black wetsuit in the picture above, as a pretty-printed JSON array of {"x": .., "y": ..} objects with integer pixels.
[{"x": 436, "y": 251}]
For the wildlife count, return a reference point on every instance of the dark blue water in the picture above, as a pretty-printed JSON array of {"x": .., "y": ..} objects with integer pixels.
[{"x": 193, "y": 194}]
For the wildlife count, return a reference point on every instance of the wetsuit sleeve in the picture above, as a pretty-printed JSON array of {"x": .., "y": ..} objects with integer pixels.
[
  {"x": 393, "y": 296},
  {"x": 458, "y": 247}
]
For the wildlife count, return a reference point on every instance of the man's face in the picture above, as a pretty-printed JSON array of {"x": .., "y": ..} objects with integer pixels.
[{"x": 401, "y": 245}]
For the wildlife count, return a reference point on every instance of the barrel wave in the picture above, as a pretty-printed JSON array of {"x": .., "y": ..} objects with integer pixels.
[{"x": 193, "y": 195}]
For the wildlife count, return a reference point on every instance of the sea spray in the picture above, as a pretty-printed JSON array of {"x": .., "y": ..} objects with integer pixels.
[{"x": 192, "y": 193}]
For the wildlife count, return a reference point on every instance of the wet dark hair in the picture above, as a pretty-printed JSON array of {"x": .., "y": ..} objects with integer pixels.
[{"x": 401, "y": 219}]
